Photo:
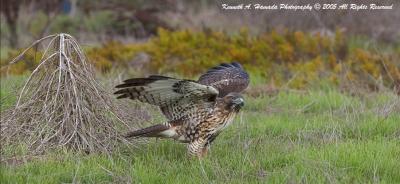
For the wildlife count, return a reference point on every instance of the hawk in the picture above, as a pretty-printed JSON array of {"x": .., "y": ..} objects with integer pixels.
[{"x": 197, "y": 111}]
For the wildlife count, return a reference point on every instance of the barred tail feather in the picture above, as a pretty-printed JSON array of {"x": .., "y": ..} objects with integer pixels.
[{"x": 152, "y": 131}]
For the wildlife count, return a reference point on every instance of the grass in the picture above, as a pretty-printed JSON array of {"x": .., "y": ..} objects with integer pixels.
[{"x": 316, "y": 136}]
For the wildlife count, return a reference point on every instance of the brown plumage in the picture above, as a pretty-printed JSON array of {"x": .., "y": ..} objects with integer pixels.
[{"x": 196, "y": 111}]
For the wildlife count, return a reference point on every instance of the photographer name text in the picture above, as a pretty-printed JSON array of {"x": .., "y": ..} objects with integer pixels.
[{"x": 307, "y": 7}]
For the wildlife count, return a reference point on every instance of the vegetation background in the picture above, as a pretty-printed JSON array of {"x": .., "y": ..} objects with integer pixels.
[{"x": 322, "y": 107}]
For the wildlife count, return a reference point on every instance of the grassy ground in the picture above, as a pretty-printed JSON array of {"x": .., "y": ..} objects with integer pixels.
[{"x": 316, "y": 136}]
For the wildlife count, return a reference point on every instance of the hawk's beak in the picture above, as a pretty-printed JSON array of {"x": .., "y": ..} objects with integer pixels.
[{"x": 238, "y": 102}]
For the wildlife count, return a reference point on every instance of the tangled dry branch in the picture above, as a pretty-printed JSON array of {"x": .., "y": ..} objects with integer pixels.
[{"x": 62, "y": 105}]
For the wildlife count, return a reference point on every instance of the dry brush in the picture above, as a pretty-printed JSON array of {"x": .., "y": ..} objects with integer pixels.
[{"x": 61, "y": 105}]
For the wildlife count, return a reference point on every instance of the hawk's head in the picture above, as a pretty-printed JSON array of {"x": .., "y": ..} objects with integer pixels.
[{"x": 233, "y": 101}]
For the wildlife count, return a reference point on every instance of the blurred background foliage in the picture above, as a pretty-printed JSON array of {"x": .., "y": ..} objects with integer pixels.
[{"x": 294, "y": 49}]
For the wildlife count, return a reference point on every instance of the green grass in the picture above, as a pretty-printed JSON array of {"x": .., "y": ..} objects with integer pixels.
[
  {"x": 318, "y": 136},
  {"x": 9, "y": 90}
]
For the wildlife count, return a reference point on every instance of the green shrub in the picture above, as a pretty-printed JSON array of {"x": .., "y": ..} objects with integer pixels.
[
  {"x": 99, "y": 22},
  {"x": 65, "y": 24},
  {"x": 297, "y": 59}
]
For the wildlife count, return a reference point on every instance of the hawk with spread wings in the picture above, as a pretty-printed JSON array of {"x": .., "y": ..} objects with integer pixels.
[{"x": 197, "y": 111}]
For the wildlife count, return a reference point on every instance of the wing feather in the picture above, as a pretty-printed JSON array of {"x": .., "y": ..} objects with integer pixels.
[
  {"x": 226, "y": 78},
  {"x": 176, "y": 98}
]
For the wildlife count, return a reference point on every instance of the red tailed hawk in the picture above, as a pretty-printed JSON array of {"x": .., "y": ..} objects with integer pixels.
[{"x": 197, "y": 111}]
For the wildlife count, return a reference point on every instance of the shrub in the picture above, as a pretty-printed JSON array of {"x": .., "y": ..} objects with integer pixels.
[
  {"x": 65, "y": 24},
  {"x": 295, "y": 58},
  {"x": 28, "y": 62}
]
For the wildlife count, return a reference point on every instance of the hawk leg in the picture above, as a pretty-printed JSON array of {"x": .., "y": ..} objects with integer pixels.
[
  {"x": 204, "y": 151},
  {"x": 197, "y": 148}
]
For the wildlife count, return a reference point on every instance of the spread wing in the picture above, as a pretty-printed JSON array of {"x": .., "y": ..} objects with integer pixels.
[
  {"x": 178, "y": 99},
  {"x": 226, "y": 78}
]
